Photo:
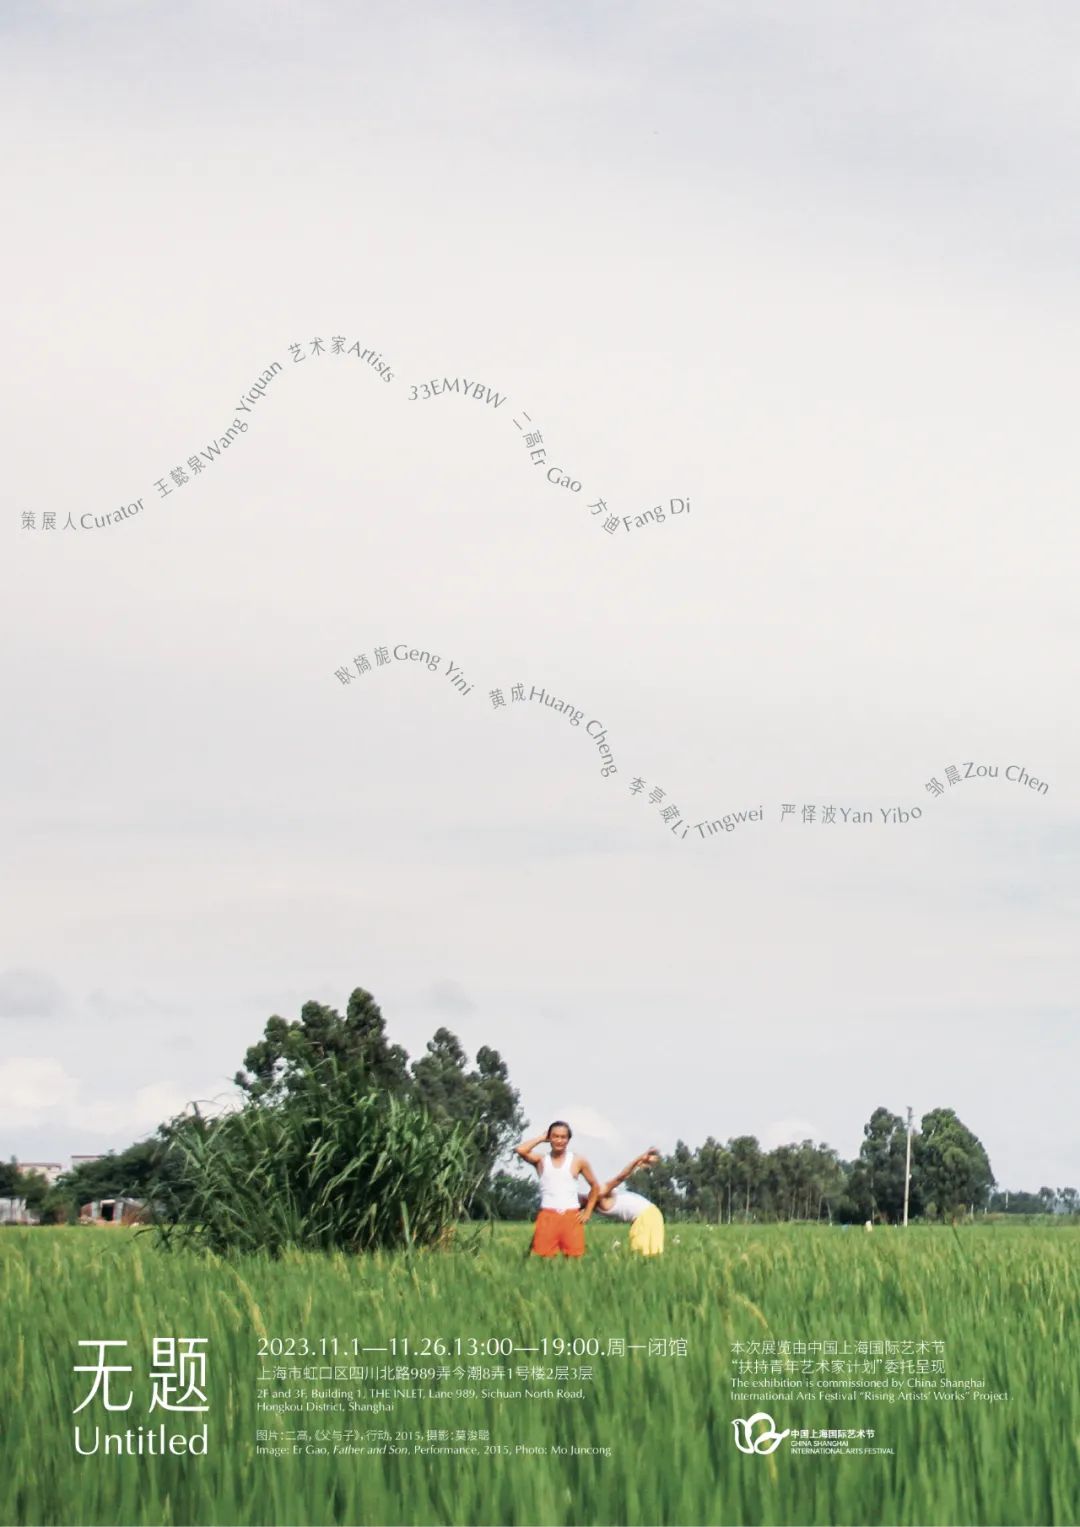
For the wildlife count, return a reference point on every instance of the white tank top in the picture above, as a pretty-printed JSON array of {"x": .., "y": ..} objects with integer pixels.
[
  {"x": 627, "y": 1206},
  {"x": 557, "y": 1190}
]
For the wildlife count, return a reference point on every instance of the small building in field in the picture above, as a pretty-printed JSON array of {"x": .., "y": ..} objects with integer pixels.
[
  {"x": 13, "y": 1211},
  {"x": 113, "y": 1211}
]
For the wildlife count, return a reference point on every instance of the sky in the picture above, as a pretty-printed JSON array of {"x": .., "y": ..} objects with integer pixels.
[{"x": 809, "y": 270}]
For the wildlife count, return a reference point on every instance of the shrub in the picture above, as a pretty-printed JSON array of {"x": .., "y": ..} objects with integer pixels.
[{"x": 336, "y": 1165}]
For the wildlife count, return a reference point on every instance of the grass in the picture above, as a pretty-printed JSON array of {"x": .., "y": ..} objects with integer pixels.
[
  {"x": 332, "y": 1167},
  {"x": 1003, "y": 1299}
]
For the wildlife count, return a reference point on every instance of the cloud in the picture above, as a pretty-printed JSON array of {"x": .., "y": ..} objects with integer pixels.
[
  {"x": 30, "y": 994},
  {"x": 34, "y": 1086},
  {"x": 35, "y": 1090},
  {"x": 593, "y": 1125},
  {"x": 147, "y": 1107}
]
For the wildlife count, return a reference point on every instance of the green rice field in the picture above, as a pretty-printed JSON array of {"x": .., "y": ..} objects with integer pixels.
[{"x": 1001, "y": 1303}]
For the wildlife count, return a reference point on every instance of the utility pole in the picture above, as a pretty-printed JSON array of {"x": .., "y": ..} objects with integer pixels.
[{"x": 907, "y": 1168}]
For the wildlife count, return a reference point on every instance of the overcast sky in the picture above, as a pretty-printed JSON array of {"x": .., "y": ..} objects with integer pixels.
[{"x": 811, "y": 268}]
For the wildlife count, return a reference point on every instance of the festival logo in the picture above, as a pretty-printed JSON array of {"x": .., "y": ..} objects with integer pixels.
[{"x": 765, "y": 1442}]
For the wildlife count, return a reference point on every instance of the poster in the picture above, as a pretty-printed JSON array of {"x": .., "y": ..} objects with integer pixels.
[{"x": 540, "y": 644}]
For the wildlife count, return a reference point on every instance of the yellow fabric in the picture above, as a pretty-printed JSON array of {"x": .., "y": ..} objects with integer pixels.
[{"x": 647, "y": 1232}]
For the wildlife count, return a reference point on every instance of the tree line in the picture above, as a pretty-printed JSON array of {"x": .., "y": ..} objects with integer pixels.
[
  {"x": 341, "y": 1139},
  {"x": 950, "y": 1175},
  {"x": 737, "y": 1180}
]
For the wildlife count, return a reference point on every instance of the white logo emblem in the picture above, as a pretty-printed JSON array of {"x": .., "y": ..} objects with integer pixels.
[{"x": 766, "y": 1441}]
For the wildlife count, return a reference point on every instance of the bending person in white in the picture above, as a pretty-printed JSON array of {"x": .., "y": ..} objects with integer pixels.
[{"x": 644, "y": 1218}]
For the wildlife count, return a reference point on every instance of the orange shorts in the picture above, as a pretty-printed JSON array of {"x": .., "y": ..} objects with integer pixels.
[{"x": 558, "y": 1230}]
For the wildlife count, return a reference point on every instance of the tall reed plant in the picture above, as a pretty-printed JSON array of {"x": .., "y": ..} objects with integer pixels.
[{"x": 335, "y": 1165}]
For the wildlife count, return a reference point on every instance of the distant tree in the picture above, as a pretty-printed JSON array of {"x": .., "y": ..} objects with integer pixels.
[
  {"x": 288, "y": 1051},
  {"x": 1019, "y": 1202},
  {"x": 710, "y": 1178},
  {"x": 716, "y": 1181},
  {"x": 10, "y": 1179},
  {"x": 780, "y": 1182},
  {"x": 953, "y": 1169},
  {"x": 481, "y": 1098},
  {"x": 883, "y": 1156},
  {"x": 670, "y": 1182},
  {"x": 856, "y": 1203},
  {"x": 57, "y": 1207},
  {"x": 442, "y": 1082},
  {"x": 125, "y": 1174},
  {"x": 826, "y": 1179},
  {"x": 507, "y": 1196},
  {"x": 702, "y": 1176},
  {"x": 32, "y": 1186},
  {"x": 746, "y": 1168}
]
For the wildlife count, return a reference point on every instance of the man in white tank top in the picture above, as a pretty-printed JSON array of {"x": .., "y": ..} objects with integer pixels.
[
  {"x": 644, "y": 1218},
  {"x": 560, "y": 1225}
]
